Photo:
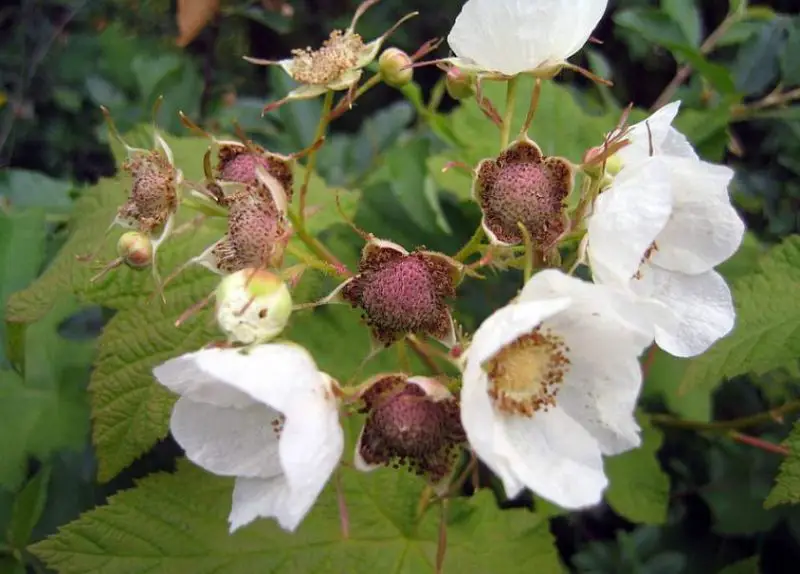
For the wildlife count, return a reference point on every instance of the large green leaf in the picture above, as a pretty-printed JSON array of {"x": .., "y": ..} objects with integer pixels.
[
  {"x": 639, "y": 489},
  {"x": 146, "y": 529},
  {"x": 767, "y": 332},
  {"x": 47, "y": 410},
  {"x": 787, "y": 484}
]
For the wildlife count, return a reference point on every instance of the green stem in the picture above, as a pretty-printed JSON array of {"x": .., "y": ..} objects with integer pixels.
[
  {"x": 511, "y": 97},
  {"x": 312, "y": 261},
  {"x": 315, "y": 246},
  {"x": 472, "y": 246},
  {"x": 322, "y": 126},
  {"x": 724, "y": 426}
]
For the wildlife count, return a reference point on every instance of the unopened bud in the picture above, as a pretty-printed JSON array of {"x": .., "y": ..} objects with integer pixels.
[
  {"x": 460, "y": 85},
  {"x": 135, "y": 249},
  {"x": 253, "y": 306},
  {"x": 393, "y": 65}
]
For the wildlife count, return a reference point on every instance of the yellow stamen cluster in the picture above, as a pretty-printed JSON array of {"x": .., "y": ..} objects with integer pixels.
[
  {"x": 526, "y": 374},
  {"x": 338, "y": 54}
]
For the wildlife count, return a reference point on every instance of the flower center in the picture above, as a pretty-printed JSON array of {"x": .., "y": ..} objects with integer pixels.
[
  {"x": 153, "y": 196},
  {"x": 526, "y": 374},
  {"x": 338, "y": 54}
]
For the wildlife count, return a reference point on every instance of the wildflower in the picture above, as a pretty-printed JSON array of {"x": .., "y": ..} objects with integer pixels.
[
  {"x": 267, "y": 417},
  {"x": 661, "y": 227},
  {"x": 337, "y": 65},
  {"x": 510, "y": 37},
  {"x": 411, "y": 421},
  {"x": 521, "y": 186},
  {"x": 550, "y": 384},
  {"x": 402, "y": 293}
]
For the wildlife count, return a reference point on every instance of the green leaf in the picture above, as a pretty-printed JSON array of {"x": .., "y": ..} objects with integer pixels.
[
  {"x": 28, "y": 506},
  {"x": 639, "y": 489},
  {"x": 767, "y": 331},
  {"x": 22, "y": 252},
  {"x": 663, "y": 379},
  {"x": 47, "y": 410},
  {"x": 787, "y": 483},
  {"x": 686, "y": 14},
  {"x": 655, "y": 25},
  {"x": 25, "y": 188},
  {"x": 145, "y": 530},
  {"x": 790, "y": 66},
  {"x": 757, "y": 63}
]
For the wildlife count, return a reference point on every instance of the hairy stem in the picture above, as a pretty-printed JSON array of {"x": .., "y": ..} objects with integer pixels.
[
  {"x": 315, "y": 246},
  {"x": 322, "y": 127},
  {"x": 472, "y": 246},
  {"x": 508, "y": 115},
  {"x": 734, "y": 424}
]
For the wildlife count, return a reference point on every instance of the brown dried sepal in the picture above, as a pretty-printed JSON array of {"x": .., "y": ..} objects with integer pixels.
[{"x": 523, "y": 186}]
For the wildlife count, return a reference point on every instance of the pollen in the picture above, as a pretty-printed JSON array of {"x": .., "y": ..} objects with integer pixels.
[
  {"x": 525, "y": 375},
  {"x": 648, "y": 254},
  {"x": 338, "y": 54}
]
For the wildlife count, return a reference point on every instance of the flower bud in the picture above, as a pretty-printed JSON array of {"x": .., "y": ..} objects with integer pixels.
[
  {"x": 253, "y": 306},
  {"x": 135, "y": 249},
  {"x": 393, "y": 67},
  {"x": 459, "y": 84}
]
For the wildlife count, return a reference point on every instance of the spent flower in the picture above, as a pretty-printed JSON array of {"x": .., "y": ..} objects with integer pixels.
[
  {"x": 522, "y": 186},
  {"x": 266, "y": 416},
  {"x": 403, "y": 293},
  {"x": 335, "y": 66},
  {"x": 412, "y": 422}
]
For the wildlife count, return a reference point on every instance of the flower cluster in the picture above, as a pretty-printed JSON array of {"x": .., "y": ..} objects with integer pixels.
[{"x": 546, "y": 386}]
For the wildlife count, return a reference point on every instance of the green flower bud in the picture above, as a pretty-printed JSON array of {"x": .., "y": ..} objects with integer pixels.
[
  {"x": 393, "y": 67},
  {"x": 253, "y": 306},
  {"x": 459, "y": 84},
  {"x": 135, "y": 249}
]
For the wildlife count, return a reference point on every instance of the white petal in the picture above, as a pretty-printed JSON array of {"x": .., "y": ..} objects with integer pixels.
[
  {"x": 556, "y": 458},
  {"x": 704, "y": 229},
  {"x": 702, "y": 306},
  {"x": 271, "y": 374},
  {"x": 595, "y": 307},
  {"x": 227, "y": 441},
  {"x": 513, "y": 36},
  {"x": 479, "y": 420},
  {"x": 626, "y": 219},
  {"x": 262, "y": 497},
  {"x": 655, "y": 136},
  {"x": 358, "y": 461},
  {"x": 507, "y": 324},
  {"x": 311, "y": 445},
  {"x": 185, "y": 376}
]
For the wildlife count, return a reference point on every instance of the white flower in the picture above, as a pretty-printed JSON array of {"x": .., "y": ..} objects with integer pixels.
[
  {"x": 268, "y": 417},
  {"x": 661, "y": 227},
  {"x": 514, "y": 36},
  {"x": 551, "y": 383}
]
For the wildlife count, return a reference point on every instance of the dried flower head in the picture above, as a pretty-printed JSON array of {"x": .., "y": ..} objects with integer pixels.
[
  {"x": 336, "y": 65},
  {"x": 403, "y": 293},
  {"x": 411, "y": 421},
  {"x": 521, "y": 186},
  {"x": 154, "y": 195},
  {"x": 258, "y": 228}
]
